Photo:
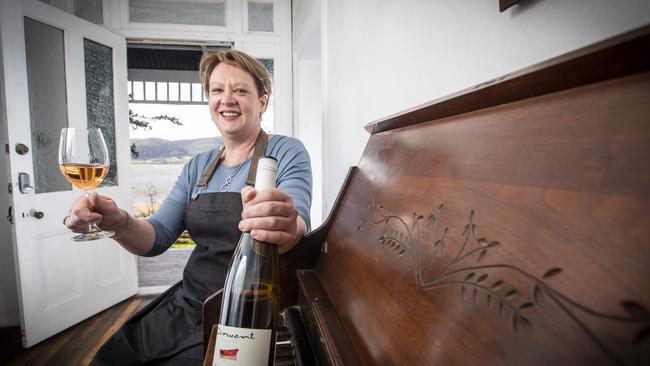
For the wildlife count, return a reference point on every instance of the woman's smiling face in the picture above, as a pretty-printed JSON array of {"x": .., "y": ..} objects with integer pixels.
[{"x": 235, "y": 104}]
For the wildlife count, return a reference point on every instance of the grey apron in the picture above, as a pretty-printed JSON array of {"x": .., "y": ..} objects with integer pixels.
[{"x": 169, "y": 330}]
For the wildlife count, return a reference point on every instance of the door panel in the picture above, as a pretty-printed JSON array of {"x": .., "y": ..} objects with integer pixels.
[
  {"x": 111, "y": 266},
  {"x": 61, "y": 70},
  {"x": 60, "y": 279}
]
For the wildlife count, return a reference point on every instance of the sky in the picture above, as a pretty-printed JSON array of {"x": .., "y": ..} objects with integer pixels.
[{"x": 195, "y": 119}]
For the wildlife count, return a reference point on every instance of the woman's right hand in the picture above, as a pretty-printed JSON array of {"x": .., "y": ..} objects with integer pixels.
[{"x": 101, "y": 210}]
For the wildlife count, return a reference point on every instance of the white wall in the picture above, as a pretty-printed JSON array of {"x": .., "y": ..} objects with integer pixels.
[
  {"x": 307, "y": 94},
  {"x": 309, "y": 127},
  {"x": 383, "y": 56}
]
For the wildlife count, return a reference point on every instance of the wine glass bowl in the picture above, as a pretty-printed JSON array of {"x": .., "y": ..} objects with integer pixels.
[{"x": 84, "y": 162}]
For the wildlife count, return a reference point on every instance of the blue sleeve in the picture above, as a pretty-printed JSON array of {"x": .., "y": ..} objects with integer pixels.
[
  {"x": 294, "y": 174},
  {"x": 169, "y": 220}
]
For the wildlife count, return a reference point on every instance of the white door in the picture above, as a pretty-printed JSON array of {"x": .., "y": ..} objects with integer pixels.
[{"x": 60, "y": 71}]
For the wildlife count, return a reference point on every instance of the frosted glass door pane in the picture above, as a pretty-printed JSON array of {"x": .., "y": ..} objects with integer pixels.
[
  {"x": 47, "y": 102},
  {"x": 260, "y": 17},
  {"x": 100, "y": 107},
  {"x": 268, "y": 64},
  {"x": 192, "y": 12}
]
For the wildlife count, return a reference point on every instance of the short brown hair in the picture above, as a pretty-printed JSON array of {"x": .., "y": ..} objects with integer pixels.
[{"x": 238, "y": 59}]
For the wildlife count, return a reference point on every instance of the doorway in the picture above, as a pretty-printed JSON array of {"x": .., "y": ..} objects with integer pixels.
[{"x": 169, "y": 124}]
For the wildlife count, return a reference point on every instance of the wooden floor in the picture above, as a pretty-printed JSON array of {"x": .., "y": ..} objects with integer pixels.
[{"x": 76, "y": 345}]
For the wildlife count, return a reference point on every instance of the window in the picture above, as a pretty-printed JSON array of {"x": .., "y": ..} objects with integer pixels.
[
  {"x": 191, "y": 12},
  {"x": 91, "y": 10},
  {"x": 260, "y": 16}
]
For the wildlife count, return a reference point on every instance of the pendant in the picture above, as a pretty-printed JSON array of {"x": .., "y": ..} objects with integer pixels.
[{"x": 225, "y": 187}]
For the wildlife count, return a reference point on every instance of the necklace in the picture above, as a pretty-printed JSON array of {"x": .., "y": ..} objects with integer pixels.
[{"x": 225, "y": 187}]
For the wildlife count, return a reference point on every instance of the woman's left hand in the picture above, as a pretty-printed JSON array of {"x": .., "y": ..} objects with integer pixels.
[{"x": 271, "y": 216}]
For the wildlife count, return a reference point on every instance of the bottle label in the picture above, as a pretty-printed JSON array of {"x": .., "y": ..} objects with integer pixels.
[{"x": 241, "y": 346}]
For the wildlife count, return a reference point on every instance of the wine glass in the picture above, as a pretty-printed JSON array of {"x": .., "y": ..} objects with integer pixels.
[{"x": 83, "y": 159}]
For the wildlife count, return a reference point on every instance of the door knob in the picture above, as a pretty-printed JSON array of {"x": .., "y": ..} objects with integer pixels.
[
  {"x": 22, "y": 149},
  {"x": 36, "y": 214}
]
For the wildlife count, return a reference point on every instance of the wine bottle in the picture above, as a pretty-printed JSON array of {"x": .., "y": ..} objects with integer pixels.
[{"x": 251, "y": 294}]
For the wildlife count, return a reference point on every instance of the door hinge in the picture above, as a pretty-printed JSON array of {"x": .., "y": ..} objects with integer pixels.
[
  {"x": 10, "y": 215},
  {"x": 10, "y": 188},
  {"x": 7, "y": 148}
]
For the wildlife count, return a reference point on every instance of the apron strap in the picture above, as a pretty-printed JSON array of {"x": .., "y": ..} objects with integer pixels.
[
  {"x": 258, "y": 153},
  {"x": 209, "y": 171}
]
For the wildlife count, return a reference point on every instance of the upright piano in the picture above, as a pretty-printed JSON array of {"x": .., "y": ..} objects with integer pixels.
[{"x": 506, "y": 224}]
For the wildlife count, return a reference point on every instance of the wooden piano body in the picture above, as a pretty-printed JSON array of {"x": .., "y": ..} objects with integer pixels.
[{"x": 508, "y": 224}]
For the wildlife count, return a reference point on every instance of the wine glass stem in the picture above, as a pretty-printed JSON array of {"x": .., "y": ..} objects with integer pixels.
[{"x": 92, "y": 227}]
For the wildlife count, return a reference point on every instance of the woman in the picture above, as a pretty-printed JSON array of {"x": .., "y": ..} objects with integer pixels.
[{"x": 211, "y": 200}]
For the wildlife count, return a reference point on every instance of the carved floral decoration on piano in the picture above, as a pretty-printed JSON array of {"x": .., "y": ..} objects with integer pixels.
[{"x": 404, "y": 238}]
